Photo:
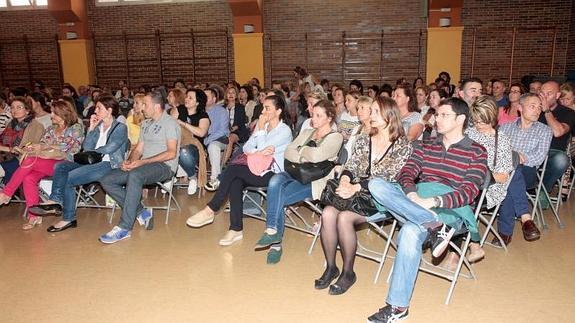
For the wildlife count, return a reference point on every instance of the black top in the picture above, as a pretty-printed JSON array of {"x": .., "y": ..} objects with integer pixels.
[
  {"x": 195, "y": 118},
  {"x": 564, "y": 115}
]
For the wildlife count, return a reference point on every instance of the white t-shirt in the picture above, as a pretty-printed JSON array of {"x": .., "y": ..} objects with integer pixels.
[{"x": 102, "y": 140}]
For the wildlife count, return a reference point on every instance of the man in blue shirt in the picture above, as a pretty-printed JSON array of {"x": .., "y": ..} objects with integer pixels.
[{"x": 217, "y": 137}]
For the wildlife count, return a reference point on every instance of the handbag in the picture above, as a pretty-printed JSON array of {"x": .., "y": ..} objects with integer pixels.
[
  {"x": 360, "y": 202},
  {"x": 306, "y": 173},
  {"x": 92, "y": 157},
  {"x": 256, "y": 163}
]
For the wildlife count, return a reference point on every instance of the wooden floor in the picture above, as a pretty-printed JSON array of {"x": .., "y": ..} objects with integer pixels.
[{"x": 178, "y": 274}]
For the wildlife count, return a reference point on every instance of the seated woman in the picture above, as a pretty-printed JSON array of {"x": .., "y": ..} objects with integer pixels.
[
  {"x": 106, "y": 135},
  {"x": 247, "y": 100},
  {"x": 364, "y": 116},
  {"x": 349, "y": 119},
  {"x": 410, "y": 118},
  {"x": 135, "y": 118},
  {"x": 41, "y": 110},
  {"x": 60, "y": 142},
  {"x": 239, "y": 132},
  {"x": 195, "y": 123},
  {"x": 270, "y": 138},
  {"x": 510, "y": 112},
  {"x": 312, "y": 145},
  {"x": 483, "y": 114},
  {"x": 22, "y": 130},
  {"x": 382, "y": 153}
]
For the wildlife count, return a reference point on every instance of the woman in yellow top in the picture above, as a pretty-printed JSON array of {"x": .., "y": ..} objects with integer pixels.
[{"x": 135, "y": 118}]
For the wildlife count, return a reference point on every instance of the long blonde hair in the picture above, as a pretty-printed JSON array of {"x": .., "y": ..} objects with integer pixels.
[{"x": 138, "y": 117}]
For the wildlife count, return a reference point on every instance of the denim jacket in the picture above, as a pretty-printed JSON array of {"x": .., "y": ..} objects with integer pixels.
[{"x": 116, "y": 145}]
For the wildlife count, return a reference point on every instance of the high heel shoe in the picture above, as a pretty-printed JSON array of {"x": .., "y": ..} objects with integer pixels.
[{"x": 32, "y": 222}]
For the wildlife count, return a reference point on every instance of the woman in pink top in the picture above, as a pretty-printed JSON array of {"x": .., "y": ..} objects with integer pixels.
[{"x": 510, "y": 113}]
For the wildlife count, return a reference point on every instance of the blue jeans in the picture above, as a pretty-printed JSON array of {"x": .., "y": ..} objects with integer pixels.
[
  {"x": 126, "y": 188},
  {"x": 411, "y": 238},
  {"x": 9, "y": 167},
  {"x": 68, "y": 175},
  {"x": 515, "y": 203},
  {"x": 283, "y": 191},
  {"x": 556, "y": 166},
  {"x": 189, "y": 157}
]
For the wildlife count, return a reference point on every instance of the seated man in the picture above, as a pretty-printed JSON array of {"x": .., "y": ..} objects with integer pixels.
[
  {"x": 561, "y": 120},
  {"x": 451, "y": 169},
  {"x": 217, "y": 138},
  {"x": 531, "y": 139},
  {"x": 154, "y": 159}
]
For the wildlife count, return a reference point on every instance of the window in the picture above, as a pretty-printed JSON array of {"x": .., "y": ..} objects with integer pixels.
[
  {"x": 23, "y": 4},
  {"x": 129, "y": 2}
]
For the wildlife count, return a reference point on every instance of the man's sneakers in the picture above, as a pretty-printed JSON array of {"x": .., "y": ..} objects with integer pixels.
[
  {"x": 192, "y": 185},
  {"x": 212, "y": 186},
  {"x": 115, "y": 235},
  {"x": 230, "y": 237},
  {"x": 439, "y": 238},
  {"x": 388, "y": 314},
  {"x": 201, "y": 218},
  {"x": 146, "y": 219}
]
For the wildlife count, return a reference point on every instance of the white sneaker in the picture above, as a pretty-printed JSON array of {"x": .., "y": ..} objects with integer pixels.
[
  {"x": 212, "y": 186},
  {"x": 200, "y": 219},
  {"x": 230, "y": 237},
  {"x": 192, "y": 186},
  {"x": 168, "y": 184}
]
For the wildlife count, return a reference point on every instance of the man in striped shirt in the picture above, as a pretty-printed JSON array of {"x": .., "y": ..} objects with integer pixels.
[{"x": 451, "y": 161}]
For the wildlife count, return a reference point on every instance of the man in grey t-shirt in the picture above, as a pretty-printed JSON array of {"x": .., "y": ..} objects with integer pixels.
[{"x": 154, "y": 159}]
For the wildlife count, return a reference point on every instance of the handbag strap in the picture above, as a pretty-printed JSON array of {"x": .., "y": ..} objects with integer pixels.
[{"x": 496, "y": 143}]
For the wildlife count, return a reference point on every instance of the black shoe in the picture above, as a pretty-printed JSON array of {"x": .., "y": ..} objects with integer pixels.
[
  {"x": 47, "y": 209},
  {"x": 328, "y": 276},
  {"x": 71, "y": 224},
  {"x": 343, "y": 283},
  {"x": 388, "y": 314},
  {"x": 439, "y": 239}
]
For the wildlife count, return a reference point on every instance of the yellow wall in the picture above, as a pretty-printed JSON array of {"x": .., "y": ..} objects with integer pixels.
[
  {"x": 249, "y": 57},
  {"x": 77, "y": 62},
  {"x": 444, "y": 52}
]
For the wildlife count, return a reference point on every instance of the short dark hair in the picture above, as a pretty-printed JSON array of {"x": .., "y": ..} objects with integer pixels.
[
  {"x": 157, "y": 98},
  {"x": 458, "y": 106},
  {"x": 470, "y": 80},
  {"x": 40, "y": 98},
  {"x": 358, "y": 84},
  {"x": 279, "y": 103},
  {"x": 410, "y": 93},
  {"x": 109, "y": 102}
]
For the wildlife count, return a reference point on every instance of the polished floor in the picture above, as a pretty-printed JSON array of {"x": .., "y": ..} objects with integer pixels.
[{"x": 178, "y": 274}]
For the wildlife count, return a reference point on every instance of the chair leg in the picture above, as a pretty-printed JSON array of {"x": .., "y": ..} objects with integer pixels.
[
  {"x": 385, "y": 251},
  {"x": 315, "y": 237}
]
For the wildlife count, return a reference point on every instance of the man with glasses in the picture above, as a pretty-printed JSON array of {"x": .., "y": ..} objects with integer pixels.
[
  {"x": 531, "y": 139},
  {"x": 449, "y": 171}
]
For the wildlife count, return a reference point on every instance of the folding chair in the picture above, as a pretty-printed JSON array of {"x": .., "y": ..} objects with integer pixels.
[
  {"x": 86, "y": 198},
  {"x": 537, "y": 213}
]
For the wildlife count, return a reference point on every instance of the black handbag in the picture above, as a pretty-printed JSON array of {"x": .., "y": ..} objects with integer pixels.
[
  {"x": 306, "y": 173},
  {"x": 360, "y": 203},
  {"x": 91, "y": 157}
]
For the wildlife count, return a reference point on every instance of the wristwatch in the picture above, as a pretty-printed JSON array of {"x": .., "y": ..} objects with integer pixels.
[{"x": 437, "y": 201}]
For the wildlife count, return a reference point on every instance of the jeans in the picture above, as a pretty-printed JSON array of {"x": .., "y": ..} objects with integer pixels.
[
  {"x": 68, "y": 175},
  {"x": 10, "y": 167},
  {"x": 556, "y": 166},
  {"x": 215, "y": 149},
  {"x": 234, "y": 179},
  {"x": 515, "y": 203},
  {"x": 189, "y": 157},
  {"x": 126, "y": 188},
  {"x": 283, "y": 190},
  {"x": 411, "y": 238}
]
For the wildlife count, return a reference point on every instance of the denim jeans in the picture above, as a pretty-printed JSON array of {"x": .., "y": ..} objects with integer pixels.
[
  {"x": 68, "y": 175},
  {"x": 515, "y": 203},
  {"x": 189, "y": 157},
  {"x": 126, "y": 188},
  {"x": 410, "y": 240},
  {"x": 9, "y": 167},
  {"x": 283, "y": 190},
  {"x": 556, "y": 166}
]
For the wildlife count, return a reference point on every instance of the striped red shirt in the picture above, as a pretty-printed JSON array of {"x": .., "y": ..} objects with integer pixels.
[{"x": 463, "y": 167}]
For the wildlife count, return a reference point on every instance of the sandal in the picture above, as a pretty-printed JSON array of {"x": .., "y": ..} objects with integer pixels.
[{"x": 32, "y": 222}]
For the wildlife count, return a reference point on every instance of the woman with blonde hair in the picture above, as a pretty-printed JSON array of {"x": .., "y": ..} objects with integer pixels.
[
  {"x": 381, "y": 153},
  {"x": 135, "y": 119}
]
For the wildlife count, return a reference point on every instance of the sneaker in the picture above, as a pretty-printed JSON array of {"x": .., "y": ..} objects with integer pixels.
[
  {"x": 388, "y": 314},
  {"x": 212, "y": 186},
  {"x": 267, "y": 240},
  {"x": 230, "y": 237},
  {"x": 227, "y": 208},
  {"x": 168, "y": 186},
  {"x": 543, "y": 201},
  {"x": 192, "y": 186},
  {"x": 439, "y": 239},
  {"x": 115, "y": 235},
  {"x": 146, "y": 219},
  {"x": 274, "y": 256},
  {"x": 200, "y": 219}
]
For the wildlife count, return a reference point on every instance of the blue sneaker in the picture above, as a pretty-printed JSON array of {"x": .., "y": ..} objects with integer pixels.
[
  {"x": 146, "y": 219},
  {"x": 115, "y": 235}
]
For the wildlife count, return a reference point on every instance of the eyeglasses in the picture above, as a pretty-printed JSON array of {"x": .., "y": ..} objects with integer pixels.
[
  {"x": 477, "y": 121},
  {"x": 18, "y": 107},
  {"x": 444, "y": 115}
]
